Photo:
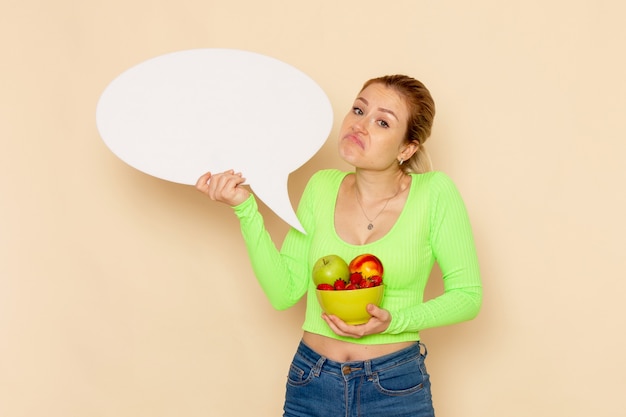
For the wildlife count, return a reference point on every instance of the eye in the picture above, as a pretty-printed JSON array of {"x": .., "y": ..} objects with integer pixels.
[
  {"x": 357, "y": 110},
  {"x": 383, "y": 123}
]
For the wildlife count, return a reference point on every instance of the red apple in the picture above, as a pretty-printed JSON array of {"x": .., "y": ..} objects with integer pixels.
[
  {"x": 367, "y": 265},
  {"x": 329, "y": 269}
]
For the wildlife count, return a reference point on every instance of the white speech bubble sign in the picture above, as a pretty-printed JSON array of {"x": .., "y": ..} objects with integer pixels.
[{"x": 181, "y": 114}]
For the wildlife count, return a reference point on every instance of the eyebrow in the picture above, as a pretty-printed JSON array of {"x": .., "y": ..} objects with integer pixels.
[{"x": 382, "y": 109}]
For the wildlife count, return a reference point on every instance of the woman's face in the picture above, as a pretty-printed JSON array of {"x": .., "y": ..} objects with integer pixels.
[{"x": 372, "y": 134}]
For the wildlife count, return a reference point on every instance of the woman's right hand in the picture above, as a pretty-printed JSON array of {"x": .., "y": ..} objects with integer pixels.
[{"x": 225, "y": 187}]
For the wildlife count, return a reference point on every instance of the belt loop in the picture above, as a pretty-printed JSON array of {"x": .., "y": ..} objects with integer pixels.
[
  {"x": 368, "y": 368},
  {"x": 318, "y": 366},
  {"x": 421, "y": 345}
]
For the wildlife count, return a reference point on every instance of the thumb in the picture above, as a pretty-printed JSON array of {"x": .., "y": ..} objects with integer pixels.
[
  {"x": 374, "y": 310},
  {"x": 381, "y": 315}
]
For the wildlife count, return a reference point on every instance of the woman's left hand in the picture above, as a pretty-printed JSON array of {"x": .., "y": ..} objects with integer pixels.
[{"x": 378, "y": 323}]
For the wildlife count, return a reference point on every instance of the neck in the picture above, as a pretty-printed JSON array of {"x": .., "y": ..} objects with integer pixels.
[{"x": 378, "y": 185}]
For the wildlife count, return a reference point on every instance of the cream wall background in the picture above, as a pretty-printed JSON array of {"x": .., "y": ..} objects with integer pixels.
[{"x": 123, "y": 295}]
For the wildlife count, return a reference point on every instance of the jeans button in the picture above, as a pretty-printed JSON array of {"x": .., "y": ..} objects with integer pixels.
[{"x": 346, "y": 370}]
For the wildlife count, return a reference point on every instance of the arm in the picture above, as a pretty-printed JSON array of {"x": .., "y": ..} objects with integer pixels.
[
  {"x": 454, "y": 250},
  {"x": 282, "y": 274}
]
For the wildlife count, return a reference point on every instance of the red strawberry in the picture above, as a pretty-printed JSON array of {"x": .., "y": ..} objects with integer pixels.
[
  {"x": 340, "y": 284},
  {"x": 355, "y": 278},
  {"x": 325, "y": 287},
  {"x": 352, "y": 286},
  {"x": 376, "y": 280},
  {"x": 366, "y": 283}
]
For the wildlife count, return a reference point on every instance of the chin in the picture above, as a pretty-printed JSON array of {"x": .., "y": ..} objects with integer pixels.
[
  {"x": 348, "y": 158},
  {"x": 347, "y": 152}
]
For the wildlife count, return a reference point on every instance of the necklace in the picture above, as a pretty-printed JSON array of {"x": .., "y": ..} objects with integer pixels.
[{"x": 370, "y": 226}]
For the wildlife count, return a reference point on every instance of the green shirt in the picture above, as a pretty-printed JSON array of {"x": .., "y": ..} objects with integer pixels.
[{"x": 433, "y": 227}]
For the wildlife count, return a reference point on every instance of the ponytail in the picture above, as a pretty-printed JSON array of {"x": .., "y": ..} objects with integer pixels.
[{"x": 419, "y": 163}]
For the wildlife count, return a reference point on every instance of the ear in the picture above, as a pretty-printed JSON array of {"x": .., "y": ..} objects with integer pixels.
[{"x": 409, "y": 149}]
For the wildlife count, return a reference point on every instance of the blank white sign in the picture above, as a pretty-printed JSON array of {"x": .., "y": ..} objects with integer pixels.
[{"x": 182, "y": 114}]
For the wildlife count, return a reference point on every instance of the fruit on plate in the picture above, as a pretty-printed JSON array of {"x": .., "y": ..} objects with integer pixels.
[
  {"x": 376, "y": 280},
  {"x": 364, "y": 274},
  {"x": 364, "y": 271},
  {"x": 328, "y": 269},
  {"x": 325, "y": 287},
  {"x": 339, "y": 285},
  {"x": 366, "y": 267}
]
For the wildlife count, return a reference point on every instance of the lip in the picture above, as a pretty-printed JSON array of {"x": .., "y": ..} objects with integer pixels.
[{"x": 355, "y": 139}]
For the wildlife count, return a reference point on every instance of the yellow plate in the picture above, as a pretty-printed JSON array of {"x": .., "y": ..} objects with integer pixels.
[{"x": 350, "y": 305}]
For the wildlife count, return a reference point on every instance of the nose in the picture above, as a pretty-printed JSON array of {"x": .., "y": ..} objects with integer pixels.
[{"x": 359, "y": 125}]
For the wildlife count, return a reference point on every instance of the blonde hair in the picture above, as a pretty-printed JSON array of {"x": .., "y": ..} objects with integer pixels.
[{"x": 421, "y": 116}]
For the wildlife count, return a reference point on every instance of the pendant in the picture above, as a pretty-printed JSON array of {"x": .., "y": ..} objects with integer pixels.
[{"x": 370, "y": 226}]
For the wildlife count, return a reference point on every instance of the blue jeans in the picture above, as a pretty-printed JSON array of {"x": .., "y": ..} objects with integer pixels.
[{"x": 394, "y": 385}]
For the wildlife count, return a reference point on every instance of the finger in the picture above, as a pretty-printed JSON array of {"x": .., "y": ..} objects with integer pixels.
[
  {"x": 202, "y": 183},
  {"x": 373, "y": 310},
  {"x": 344, "y": 329},
  {"x": 238, "y": 180},
  {"x": 378, "y": 313},
  {"x": 224, "y": 187},
  {"x": 330, "y": 321},
  {"x": 233, "y": 182},
  {"x": 227, "y": 184},
  {"x": 380, "y": 318}
]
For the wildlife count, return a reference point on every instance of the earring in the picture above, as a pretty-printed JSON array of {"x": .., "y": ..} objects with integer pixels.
[{"x": 401, "y": 161}]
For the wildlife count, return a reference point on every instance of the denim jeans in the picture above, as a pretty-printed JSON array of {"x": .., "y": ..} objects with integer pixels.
[{"x": 394, "y": 385}]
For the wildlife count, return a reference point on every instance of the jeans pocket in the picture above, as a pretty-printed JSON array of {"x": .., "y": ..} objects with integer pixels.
[
  {"x": 300, "y": 371},
  {"x": 402, "y": 379}
]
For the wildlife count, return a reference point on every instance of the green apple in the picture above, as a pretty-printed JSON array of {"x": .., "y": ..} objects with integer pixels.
[{"x": 329, "y": 269}]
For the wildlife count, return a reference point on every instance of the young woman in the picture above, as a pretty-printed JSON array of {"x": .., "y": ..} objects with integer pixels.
[{"x": 393, "y": 206}]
